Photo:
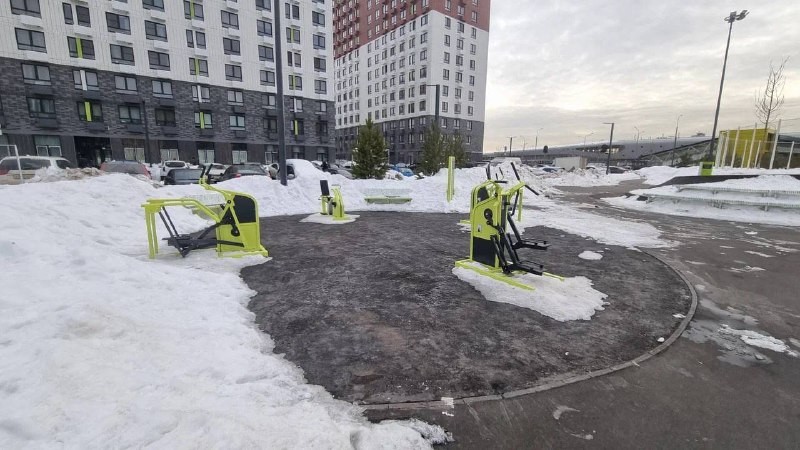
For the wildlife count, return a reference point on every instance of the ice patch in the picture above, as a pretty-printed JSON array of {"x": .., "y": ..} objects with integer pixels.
[
  {"x": 571, "y": 299},
  {"x": 591, "y": 256},
  {"x": 763, "y": 255},
  {"x": 329, "y": 220},
  {"x": 561, "y": 409},
  {"x": 746, "y": 269},
  {"x": 758, "y": 340}
]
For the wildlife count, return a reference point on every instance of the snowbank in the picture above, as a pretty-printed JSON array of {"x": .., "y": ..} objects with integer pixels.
[
  {"x": 661, "y": 174},
  {"x": 104, "y": 348}
]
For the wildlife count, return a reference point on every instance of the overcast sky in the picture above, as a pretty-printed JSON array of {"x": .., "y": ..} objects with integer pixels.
[{"x": 569, "y": 66}]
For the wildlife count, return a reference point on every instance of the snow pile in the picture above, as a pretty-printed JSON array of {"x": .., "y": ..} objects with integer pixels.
[
  {"x": 696, "y": 200},
  {"x": 661, "y": 174},
  {"x": 102, "y": 347},
  {"x": 571, "y": 299},
  {"x": 590, "y": 255},
  {"x": 50, "y": 174},
  {"x": 588, "y": 178}
]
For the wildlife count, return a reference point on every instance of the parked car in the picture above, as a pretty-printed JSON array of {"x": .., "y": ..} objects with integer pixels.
[
  {"x": 183, "y": 176},
  {"x": 343, "y": 172},
  {"x": 215, "y": 172},
  {"x": 274, "y": 168},
  {"x": 10, "y": 169},
  {"x": 407, "y": 172},
  {"x": 166, "y": 166},
  {"x": 243, "y": 170},
  {"x": 129, "y": 167},
  {"x": 616, "y": 169}
]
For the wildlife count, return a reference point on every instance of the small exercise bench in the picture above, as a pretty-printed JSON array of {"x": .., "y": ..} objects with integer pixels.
[{"x": 387, "y": 196}]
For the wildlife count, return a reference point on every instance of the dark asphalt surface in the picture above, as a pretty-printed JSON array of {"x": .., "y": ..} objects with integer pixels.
[
  {"x": 705, "y": 391},
  {"x": 372, "y": 312}
]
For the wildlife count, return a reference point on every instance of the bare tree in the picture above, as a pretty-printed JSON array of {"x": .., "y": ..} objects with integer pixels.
[{"x": 768, "y": 103}]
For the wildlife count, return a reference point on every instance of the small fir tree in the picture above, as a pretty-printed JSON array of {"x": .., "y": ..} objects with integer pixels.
[
  {"x": 433, "y": 150},
  {"x": 455, "y": 147},
  {"x": 369, "y": 154}
]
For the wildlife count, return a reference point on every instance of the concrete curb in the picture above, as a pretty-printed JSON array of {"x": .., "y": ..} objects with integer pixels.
[{"x": 561, "y": 380}]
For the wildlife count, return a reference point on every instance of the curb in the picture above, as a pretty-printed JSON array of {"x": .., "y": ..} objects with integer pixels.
[{"x": 557, "y": 381}]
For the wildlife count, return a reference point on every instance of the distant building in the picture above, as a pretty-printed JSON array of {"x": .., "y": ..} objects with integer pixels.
[{"x": 389, "y": 54}]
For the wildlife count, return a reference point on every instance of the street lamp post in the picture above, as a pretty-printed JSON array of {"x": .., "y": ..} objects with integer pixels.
[
  {"x": 610, "y": 141},
  {"x": 536, "y": 143},
  {"x": 637, "y": 135},
  {"x": 585, "y": 136},
  {"x": 732, "y": 17},
  {"x": 675, "y": 141}
]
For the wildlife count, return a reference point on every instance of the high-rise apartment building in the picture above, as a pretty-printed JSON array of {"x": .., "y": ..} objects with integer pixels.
[
  {"x": 390, "y": 55},
  {"x": 165, "y": 79}
]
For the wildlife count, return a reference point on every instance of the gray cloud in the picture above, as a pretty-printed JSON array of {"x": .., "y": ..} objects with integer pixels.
[{"x": 568, "y": 66}]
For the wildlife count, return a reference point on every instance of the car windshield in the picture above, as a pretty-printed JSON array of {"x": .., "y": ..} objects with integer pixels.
[
  {"x": 187, "y": 174},
  {"x": 174, "y": 164},
  {"x": 25, "y": 163}
]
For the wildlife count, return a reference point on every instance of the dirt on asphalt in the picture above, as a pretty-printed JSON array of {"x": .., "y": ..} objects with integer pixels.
[{"x": 372, "y": 312}]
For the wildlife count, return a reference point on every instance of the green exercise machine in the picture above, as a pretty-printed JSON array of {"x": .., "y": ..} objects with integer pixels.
[
  {"x": 495, "y": 238},
  {"x": 235, "y": 233},
  {"x": 332, "y": 205}
]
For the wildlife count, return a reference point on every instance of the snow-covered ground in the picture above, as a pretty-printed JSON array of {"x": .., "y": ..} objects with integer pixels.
[
  {"x": 697, "y": 200},
  {"x": 661, "y": 174},
  {"x": 102, "y": 347}
]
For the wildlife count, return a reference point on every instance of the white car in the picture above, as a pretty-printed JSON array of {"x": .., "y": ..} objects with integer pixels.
[
  {"x": 166, "y": 166},
  {"x": 10, "y": 167}
]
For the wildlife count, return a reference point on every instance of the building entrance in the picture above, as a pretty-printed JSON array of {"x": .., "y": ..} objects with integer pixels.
[{"x": 91, "y": 151}]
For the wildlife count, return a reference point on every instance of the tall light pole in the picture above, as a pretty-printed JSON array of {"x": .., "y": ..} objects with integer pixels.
[
  {"x": 536, "y": 143},
  {"x": 610, "y": 140},
  {"x": 637, "y": 135},
  {"x": 675, "y": 141},
  {"x": 732, "y": 17},
  {"x": 510, "y": 141},
  {"x": 584, "y": 138}
]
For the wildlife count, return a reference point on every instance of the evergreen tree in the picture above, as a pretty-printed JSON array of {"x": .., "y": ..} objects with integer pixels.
[
  {"x": 433, "y": 150},
  {"x": 455, "y": 147},
  {"x": 369, "y": 154}
]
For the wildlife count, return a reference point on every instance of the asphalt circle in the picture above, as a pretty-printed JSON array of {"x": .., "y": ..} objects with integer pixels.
[{"x": 372, "y": 312}]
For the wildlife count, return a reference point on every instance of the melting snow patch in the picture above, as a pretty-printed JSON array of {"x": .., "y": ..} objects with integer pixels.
[
  {"x": 328, "y": 220},
  {"x": 591, "y": 256},
  {"x": 571, "y": 299},
  {"x": 758, "y": 340},
  {"x": 763, "y": 255},
  {"x": 746, "y": 269}
]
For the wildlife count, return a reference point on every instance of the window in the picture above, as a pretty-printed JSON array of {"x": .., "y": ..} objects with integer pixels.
[
  {"x": 67, "y": 7},
  {"x": 322, "y": 128},
  {"x": 295, "y": 82},
  {"x": 155, "y": 31},
  {"x": 297, "y": 104},
  {"x": 203, "y": 119},
  {"x": 266, "y": 53},
  {"x": 158, "y": 60},
  {"x": 446, "y": 58},
  {"x": 293, "y": 58},
  {"x": 169, "y": 154},
  {"x": 85, "y": 80},
  {"x": 195, "y": 39},
  {"x": 230, "y": 20},
  {"x": 125, "y": 84},
  {"x": 474, "y": 16},
  {"x": 165, "y": 117},
  {"x": 233, "y": 73},
  {"x": 292, "y": 35},
  {"x": 153, "y": 4},
  {"x": 239, "y": 153},
  {"x": 26, "y": 7},
  {"x": 235, "y": 97},
  {"x": 41, "y": 107},
  {"x": 271, "y": 125},
  {"x": 460, "y": 27},
  {"x": 474, "y": 33},
  {"x": 90, "y": 111},
  {"x": 231, "y": 46},
  {"x": 269, "y": 100},
  {"x": 162, "y": 88},
  {"x": 264, "y": 28},
  {"x": 80, "y": 48},
  {"x": 318, "y": 19},
  {"x": 237, "y": 121},
  {"x": 264, "y": 4},
  {"x": 130, "y": 114},
  {"x": 122, "y": 55},
  {"x": 118, "y": 23},
  {"x": 322, "y": 107},
  {"x": 34, "y": 74},
  {"x": 292, "y": 11},
  {"x": 201, "y": 94},
  {"x": 298, "y": 127},
  {"x": 30, "y": 40},
  {"x": 268, "y": 77},
  {"x": 48, "y": 146},
  {"x": 319, "y": 41},
  {"x": 319, "y": 64},
  {"x": 198, "y": 67},
  {"x": 192, "y": 10},
  {"x": 447, "y": 40},
  {"x": 320, "y": 87},
  {"x": 205, "y": 155}
]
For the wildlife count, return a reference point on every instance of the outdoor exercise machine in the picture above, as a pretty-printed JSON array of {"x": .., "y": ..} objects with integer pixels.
[
  {"x": 235, "y": 232},
  {"x": 332, "y": 205},
  {"x": 493, "y": 251}
]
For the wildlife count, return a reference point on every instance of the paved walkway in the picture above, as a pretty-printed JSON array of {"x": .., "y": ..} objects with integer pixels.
[{"x": 708, "y": 390}]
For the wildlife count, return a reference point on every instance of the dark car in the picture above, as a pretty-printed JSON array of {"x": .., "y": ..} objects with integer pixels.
[
  {"x": 129, "y": 167},
  {"x": 183, "y": 176},
  {"x": 243, "y": 170}
]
